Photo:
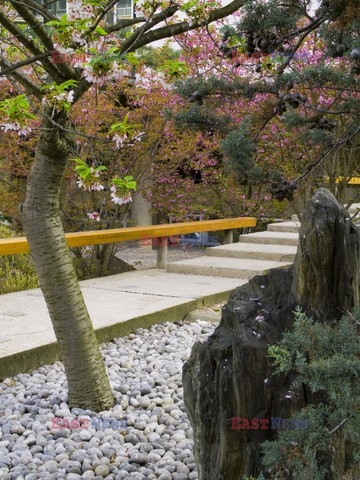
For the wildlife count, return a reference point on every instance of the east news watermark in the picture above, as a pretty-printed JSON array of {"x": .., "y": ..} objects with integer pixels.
[
  {"x": 75, "y": 58},
  {"x": 172, "y": 241},
  {"x": 273, "y": 423},
  {"x": 96, "y": 423}
]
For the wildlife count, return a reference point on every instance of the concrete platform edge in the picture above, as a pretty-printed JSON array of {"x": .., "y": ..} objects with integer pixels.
[{"x": 25, "y": 362}]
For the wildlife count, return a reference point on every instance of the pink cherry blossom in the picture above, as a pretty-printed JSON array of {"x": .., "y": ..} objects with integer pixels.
[
  {"x": 120, "y": 200},
  {"x": 94, "y": 216},
  {"x": 119, "y": 140}
]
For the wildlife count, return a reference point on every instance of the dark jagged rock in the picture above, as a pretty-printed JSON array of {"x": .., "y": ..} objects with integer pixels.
[
  {"x": 225, "y": 377},
  {"x": 326, "y": 270},
  {"x": 230, "y": 375}
]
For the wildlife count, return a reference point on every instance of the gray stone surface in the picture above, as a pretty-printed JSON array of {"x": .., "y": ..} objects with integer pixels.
[
  {"x": 154, "y": 441},
  {"x": 327, "y": 267},
  {"x": 112, "y": 300}
]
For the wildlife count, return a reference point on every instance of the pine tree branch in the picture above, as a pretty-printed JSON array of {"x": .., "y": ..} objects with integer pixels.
[
  {"x": 341, "y": 424},
  {"x": 310, "y": 170}
]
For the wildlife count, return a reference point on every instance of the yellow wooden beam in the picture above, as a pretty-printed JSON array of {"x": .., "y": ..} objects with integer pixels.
[
  {"x": 14, "y": 246},
  {"x": 349, "y": 181}
]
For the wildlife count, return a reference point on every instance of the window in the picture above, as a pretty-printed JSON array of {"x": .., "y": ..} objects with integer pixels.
[
  {"x": 124, "y": 9},
  {"x": 57, "y": 7}
]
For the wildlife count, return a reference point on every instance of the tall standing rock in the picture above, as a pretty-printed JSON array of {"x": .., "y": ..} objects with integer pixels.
[
  {"x": 230, "y": 376},
  {"x": 326, "y": 271}
]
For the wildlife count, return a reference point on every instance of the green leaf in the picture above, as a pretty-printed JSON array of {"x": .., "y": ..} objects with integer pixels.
[
  {"x": 189, "y": 5},
  {"x": 54, "y": 23},
  {"x": 124, "y": 127},
  {"x": 100, "y": 169},
  {"x": 118, "y": 181},
  {"x": 16, "y": 108},
  {"x": 174, "y": 68},
  {"x": 100, "y": 31},
  {"x": 131, "y": 58}
]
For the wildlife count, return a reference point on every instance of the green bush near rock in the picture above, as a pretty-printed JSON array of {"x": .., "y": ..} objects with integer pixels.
[
  {"x": 325, "y": 360},
  {"x": 16, "y": 271}
]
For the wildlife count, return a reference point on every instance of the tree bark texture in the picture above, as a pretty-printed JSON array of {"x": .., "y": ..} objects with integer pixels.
[{"x": 88, "y": 383}]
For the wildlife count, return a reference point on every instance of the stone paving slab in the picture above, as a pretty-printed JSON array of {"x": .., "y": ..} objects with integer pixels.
[
  {"x": 255, "y": 251},
  {"x": 118, "y": 305},
  {"x": 225, "y": 266},
  {"x": 292, "y": 227},
  {"x": 273, "y": 238}
]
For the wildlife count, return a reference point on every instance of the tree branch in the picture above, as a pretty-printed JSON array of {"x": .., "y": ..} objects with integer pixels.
[
  {"x": 22, "y": 79},
  {"x": 100, "y": 17},
  {"x": 30, "y": 45},
  {"x": 37, "y": 7},
  {"x": 23, "y": 63},
  {"x": 182, "y": 27},
  {"x": 124, "y": 23},
  {"x": 66, "y": 70},
  {"x": 341, "y": 424},
  {"x": 330, "y": 150},
  {"x": 22, "y": 9}
]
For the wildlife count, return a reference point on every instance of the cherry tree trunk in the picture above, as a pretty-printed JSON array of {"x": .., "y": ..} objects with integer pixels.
[{"x": 88, "y": 383}]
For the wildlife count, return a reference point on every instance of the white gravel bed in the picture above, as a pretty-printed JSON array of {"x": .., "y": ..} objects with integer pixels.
[{"x": 155, "y": 441}]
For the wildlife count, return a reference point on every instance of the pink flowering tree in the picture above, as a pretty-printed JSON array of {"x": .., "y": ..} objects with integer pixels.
[
  {"x": 46, "y": 67},
  {"x": 280, "y": 86}
]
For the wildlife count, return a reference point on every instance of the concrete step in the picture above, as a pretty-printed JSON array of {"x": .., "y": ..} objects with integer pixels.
[
  {"x": 294, "y": 218},
  {"x": 118, "y": 305},
  {"x": 272, "y": 238},
  {"x": 292, "y": 227},
  {"x": 277, "y": 253},
  {"x": 224, "y": 267},
  {"x": 355, "y": 207}
]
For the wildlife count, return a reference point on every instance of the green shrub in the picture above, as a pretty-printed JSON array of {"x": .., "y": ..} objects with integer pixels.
[
  {"x": 325, "y": 359},
  {"x": 16, "y": 271}
]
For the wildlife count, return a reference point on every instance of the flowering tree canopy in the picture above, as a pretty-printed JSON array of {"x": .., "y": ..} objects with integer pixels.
[
  {"x": 282, "y": 76},
  {"x": 50, "y": 63}
]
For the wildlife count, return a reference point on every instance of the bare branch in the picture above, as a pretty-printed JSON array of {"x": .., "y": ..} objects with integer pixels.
[
  {"x": 66, "y": 70},
  {"x": 30, "y": 45},
  {"x": 37, "y": 7},
  {"x": 22, "y": 79},
  {"x": 23, "y": 63}
]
